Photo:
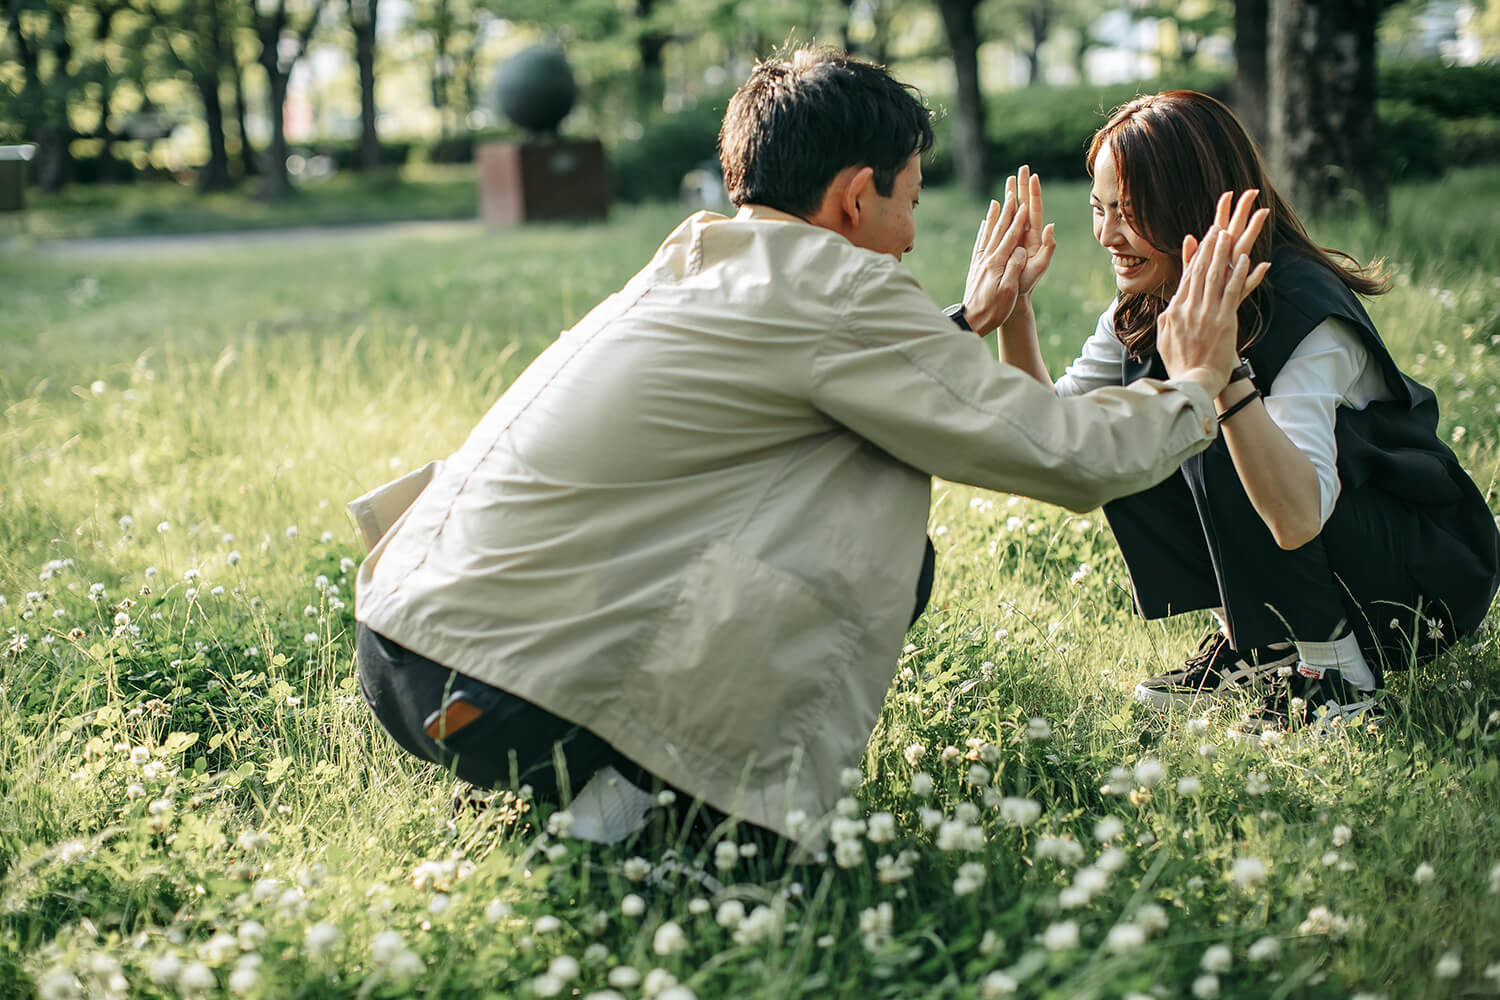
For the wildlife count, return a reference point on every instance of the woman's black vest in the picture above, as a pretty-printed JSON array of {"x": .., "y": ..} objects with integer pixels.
[{"x": 1391, "y": 445}]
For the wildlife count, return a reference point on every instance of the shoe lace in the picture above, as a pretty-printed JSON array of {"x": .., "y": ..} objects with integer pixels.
[{"x": 1205, "y": 660}]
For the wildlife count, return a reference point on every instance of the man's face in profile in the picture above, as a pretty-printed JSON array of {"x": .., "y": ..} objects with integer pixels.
[{"x": 888, "y": 224}]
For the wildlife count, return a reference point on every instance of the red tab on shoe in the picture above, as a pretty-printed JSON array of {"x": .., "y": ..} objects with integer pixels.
[{"x": 1308, "y": 670}]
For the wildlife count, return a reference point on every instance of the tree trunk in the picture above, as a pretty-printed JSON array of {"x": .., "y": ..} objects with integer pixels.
[
  {"x": 1039, "y": 25},
  {"x": 1324, "y": 144},
  {"x": 215, "y": 174},
  {"x": 651, "y": 85},
  {"x": 1248, "y": 91},
  {"x": 277, "y": 184},
  {"x": 248, "y": 166},
  {"x": 362, "y": 15},
  {"x": 968, "y": 117}
]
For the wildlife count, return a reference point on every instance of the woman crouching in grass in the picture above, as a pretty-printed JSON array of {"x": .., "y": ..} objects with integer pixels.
[{"x": 1330, "y": 531}]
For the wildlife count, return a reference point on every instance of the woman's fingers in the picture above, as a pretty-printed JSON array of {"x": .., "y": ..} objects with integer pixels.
[
  {"x": 1246, "y": 242},
  {"x": 1242, "y": 210},
  {"x": 1221, "y": 209}
]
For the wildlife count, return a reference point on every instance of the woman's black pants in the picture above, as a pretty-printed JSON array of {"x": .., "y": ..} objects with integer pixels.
[{"x": 1195, "y": 541}]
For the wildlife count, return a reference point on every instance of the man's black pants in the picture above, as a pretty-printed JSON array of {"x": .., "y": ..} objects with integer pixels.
[{"x": 512, "y": 742}]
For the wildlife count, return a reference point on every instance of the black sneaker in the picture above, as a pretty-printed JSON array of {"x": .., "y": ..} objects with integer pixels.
[
  {"x": 1320, "y": 703},
  {"x": 1216, "y": 670}
]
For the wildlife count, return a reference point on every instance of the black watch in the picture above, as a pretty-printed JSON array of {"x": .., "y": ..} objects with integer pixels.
[
  {"x": 956, "y": 314},
  {"x": 1241, "y": 371}
]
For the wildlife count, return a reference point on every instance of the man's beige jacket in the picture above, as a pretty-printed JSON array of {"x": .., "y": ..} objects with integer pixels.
[{"x": 694, "y": 524}]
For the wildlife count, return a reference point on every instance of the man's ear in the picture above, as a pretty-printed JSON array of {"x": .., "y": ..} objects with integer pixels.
[{"x": 861, "y": 186}]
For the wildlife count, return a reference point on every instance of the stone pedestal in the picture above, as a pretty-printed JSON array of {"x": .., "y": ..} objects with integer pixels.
[{"x": 544, "y": 179}]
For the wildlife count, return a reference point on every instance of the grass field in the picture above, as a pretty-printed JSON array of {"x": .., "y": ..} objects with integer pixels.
[{"x": 197, "y": 803}]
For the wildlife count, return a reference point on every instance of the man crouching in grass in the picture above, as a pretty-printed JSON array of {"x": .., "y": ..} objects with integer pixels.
[{"x": 683, "y": 548}]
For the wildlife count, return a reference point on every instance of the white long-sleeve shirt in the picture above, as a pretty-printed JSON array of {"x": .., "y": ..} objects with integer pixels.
[{"x": 1329, "y": 369}]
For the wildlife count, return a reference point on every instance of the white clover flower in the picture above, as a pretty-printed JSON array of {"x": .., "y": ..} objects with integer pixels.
[
  {"x": 1256, "y": 784},
  {"x": 196, "y": 979},
  {"x": 796, "y": 821},
  {"x": 320, "y": 939},
  {"x": 892, "y": 869},
  {"x": 1206, "y": 986},
  {"x": 164, "y": 970},
  {"x": 1247, "y": 871},
  {"x": 1492, "y": 972},
  {"x": 657, "y": 982},
  {"x": 951, "y": 755},
  {"x": 1091, "y": 880},
  {"x": 1341, "y": 835},
  {"x": 677, "y": 992},
  {"x": 848, "y": 853},
  {"x": 220, "y": 948},
  {"x": 1038, "y": 729},
  {"x": 244, "y": 979},
  {"x": 385, "y": 946},
  {"x": 930, "y": 819},
  {"x": 636, "y": 869},
  {"x": 547, "y": 985},
  {"x": 252, "y": 840},
  {"x": 1208, "y": 751},
  {"x": 624, "y": 977},
  {"x": 762, "y": 924},
  {"x": 1108, "y": 829},
  {"x": 1266, "y": 949},
  {"x": 1150, "y": 772},
  {"x": 1151, "y": 918},
  {"x": 726, "y": 855},
  {"x": 1495, "y": 877},
  {"x": 603, "y": 995},
  {"x": 851, "y": 778},
  {"x": 998, "y": 984},
  {"x": 950, "y": 835},
  {"x": 881, "y": 828},
  {"x": 548, "y": 924},
  {"x": 731, "y": 914},
  {"x": 1189, "y": 786},
  {"x": 564, "y": 967},
  {"x": 1216, "y": 958},
  {"x": 291, "y": 531},
  {"x": 59, "y": 984},
  {"x": 1119, "y": 783},
  {"x": 155, "y": 770},
  {"x": 162, "y": 527},
  {"x": 699, "y": 906},
  {"x": 632, "y": 905},
  {"x": 921, "y": 784},
  {"x": 991, "y": 943},
  {"x": 979, "y": 776},
  {"x": 251, "y": 935},
  {"x": 666, "y": 797},
  {"x": 1124, "y": 939},
  {"x": 1424, "y": 874},
  {"x": 1073, "y": 897},
  {"x": 1063, "y": 849},
  {"x": 971, "y": 876},
  {"x": 1061, "y": 935},
  {"x": 1449, "y": 966},
  {"x": 1111, "y": 860},
  {"x": 439, "y": 904},
  {"x": 70, "y": 851},
  {"x": 1020, "y": 812}
]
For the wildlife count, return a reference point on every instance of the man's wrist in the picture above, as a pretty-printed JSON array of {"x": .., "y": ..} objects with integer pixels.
[
  {"x": 960, "y": 317},
  {"x": 1213, "y": 380}
]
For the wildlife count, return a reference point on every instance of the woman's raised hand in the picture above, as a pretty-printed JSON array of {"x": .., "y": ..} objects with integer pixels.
[
  {"x": 1038, "y": 242},
  {"x": 1200, "y": 325}
]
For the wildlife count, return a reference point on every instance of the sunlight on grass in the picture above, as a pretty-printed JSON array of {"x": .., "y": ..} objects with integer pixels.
[{"x": 198, "y": 803}]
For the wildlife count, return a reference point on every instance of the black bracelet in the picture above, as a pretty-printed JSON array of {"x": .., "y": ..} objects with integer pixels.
[{"x": 1250, "y": 397}]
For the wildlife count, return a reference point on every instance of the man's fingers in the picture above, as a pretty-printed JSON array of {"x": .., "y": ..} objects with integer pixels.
[
  {"x": 982, "y": 240},
  {"x": 1218, "y": 265},
  {"x": 1189, "y": 249},
  {"x": 1035, "y": 201},
  {"x": 1256, "y": 277}
]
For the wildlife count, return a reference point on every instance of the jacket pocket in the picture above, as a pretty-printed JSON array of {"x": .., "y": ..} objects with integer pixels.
[{"x": 744, "y": 663}]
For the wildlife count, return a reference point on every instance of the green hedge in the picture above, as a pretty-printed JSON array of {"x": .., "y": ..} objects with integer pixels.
[
  {"x": 652, "y": 167},
  {"x": 1447, "y": 91}
]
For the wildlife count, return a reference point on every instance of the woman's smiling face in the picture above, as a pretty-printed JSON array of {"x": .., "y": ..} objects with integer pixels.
[{"x": 1139, "y": 267}]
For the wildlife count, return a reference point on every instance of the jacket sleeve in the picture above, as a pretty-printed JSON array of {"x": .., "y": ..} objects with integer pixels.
[{"x": 896, "y": 372}]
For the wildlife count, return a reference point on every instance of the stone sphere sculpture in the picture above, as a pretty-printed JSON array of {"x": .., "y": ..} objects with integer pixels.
[{"x": 535, "y": 88}]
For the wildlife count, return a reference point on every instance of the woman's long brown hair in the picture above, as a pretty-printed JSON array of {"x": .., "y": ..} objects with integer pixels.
[{"x": 1175, "y": 153}]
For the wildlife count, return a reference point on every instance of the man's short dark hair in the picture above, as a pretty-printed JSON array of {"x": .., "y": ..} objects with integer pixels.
[{"x": 799, "y": 120}]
